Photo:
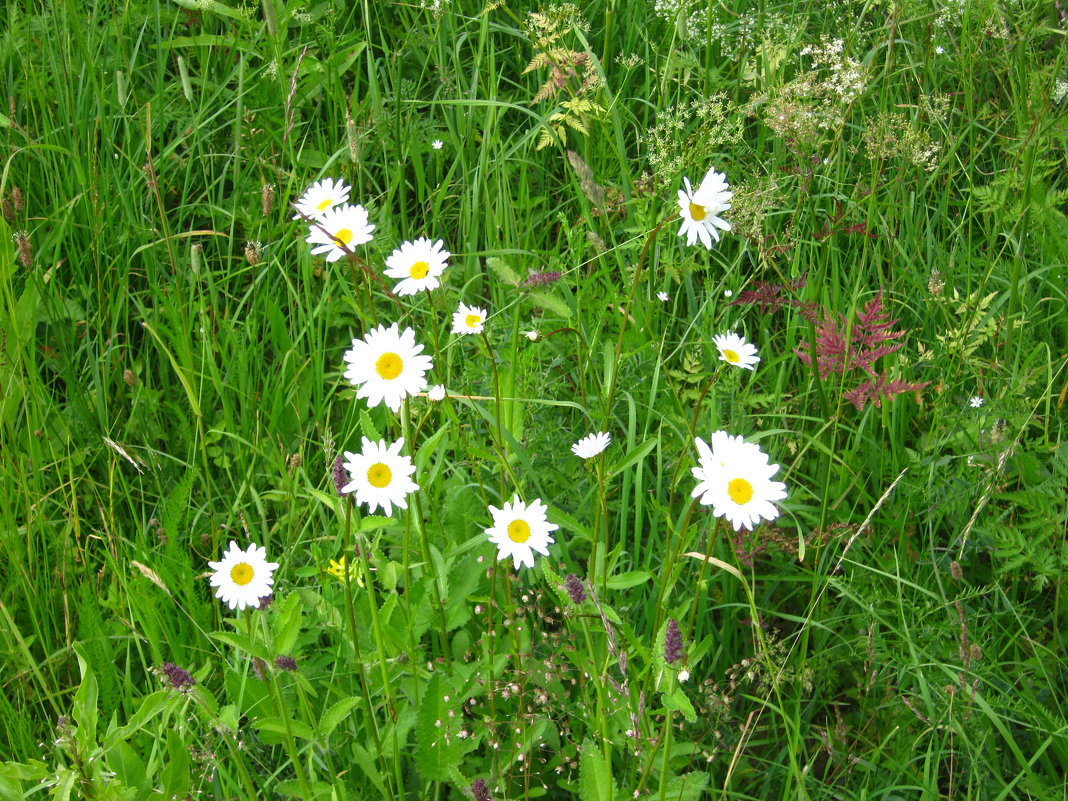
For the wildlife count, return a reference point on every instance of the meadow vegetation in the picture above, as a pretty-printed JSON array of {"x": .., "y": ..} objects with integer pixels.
[{"x": 880, "y": 617}]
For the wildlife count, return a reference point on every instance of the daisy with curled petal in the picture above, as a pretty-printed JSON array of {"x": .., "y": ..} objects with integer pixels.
[
  {"x": 733, "y": 349},
  {"x": 322, "y": 196},
  {"x": 436, "y": 393},
  {"x": 468, "y": 320},
  {"x": 338, "y": 230},
  {"x": 387, "y": 366},
  {"x": 242, "y": 577},
  {"x": 590, "y": 446},
  {"x": 520, "y": 529},
  {"x": 381, "y": 476},
  {"x": 419, "y": 263},
  {"x": 700, "y": 209},
  {"x": 734, "y": 478}
]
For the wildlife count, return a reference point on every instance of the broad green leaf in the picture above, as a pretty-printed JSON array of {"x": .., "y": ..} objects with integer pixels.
[{"x": 334, "y": 715}]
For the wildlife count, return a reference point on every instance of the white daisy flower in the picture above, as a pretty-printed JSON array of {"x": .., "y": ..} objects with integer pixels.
[
  {"x": 734, "y": 478},
  {"x": 976, "y": 402},
  {"x": 590, "y": 446},
  {"x": 728, "y": 293},
  {"x": 518, "y": 530},
  {"x": 321, "y": 197},
  {"x": 437, "y": 144},
  {"x": 468, "y": 320},
  {"x": 700, "y": 209},
  {"x": 419, "y": 263},
  {"x": 733, "y": 349},
  {"x": 242, "y": 577},
  {"x": 381, "y": 476},
  {"x": 387, "y": 366},
  {"x": 664, "y": 297},
  {"x": 436, "y": 393},
  {"x": 338, "y": 229}
]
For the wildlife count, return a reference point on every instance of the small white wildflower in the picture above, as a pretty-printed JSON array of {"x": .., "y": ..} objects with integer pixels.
[
  {"x": 532, "y": 335},
  {"x": 683, "y": 675},
  {"x": 939, "y": 50},
  {"x": 664, "y": 297},
  {"x": 728, "y": 293},
  {"x": 437, "y": 144},
  {"x": 976, "y": 402},
  {"x": 436, "y": 393}
]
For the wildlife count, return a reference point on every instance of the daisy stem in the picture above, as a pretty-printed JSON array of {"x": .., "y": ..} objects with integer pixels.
[
  {"x": 610, "y": 394},
  {"x": 424, "y": 543},
  {"x": 701, "y": 578},
  {"x": 351, "y": 614},
  {"x": 603, "y": 513},
  {"x": 271, "y": 686},
  {"x": 506, "y": 468}
]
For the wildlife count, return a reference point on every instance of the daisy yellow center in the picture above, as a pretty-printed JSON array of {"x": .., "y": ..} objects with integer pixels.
[
  {"x": 518, "y": 531},
  {"x": 343, "y": 237},
  {"x": 472, "y": 320},
  {"x": 419, "y": 270},
  {"x": 242, "y": 573},
  {"x": 697, "y": 212},
  {"x": 731, "y": 356},
  {"x": 325, "y": 204},
  {"x": 389, "y": 366},
  {"x": 379, "y": 475},
  {"x": 740, "y": 490}
]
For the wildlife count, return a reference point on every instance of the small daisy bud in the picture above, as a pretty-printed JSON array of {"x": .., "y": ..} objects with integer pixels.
[
  {"x": 286, "y": 663},
  {"x": 341, "y": 478},
  {"x": 575, "y": 591},
  {"x": 532, "y": 335},
  {"x": 683, "y": 676},
  {"x": 479, "y": 790},
  {"x": 436, "y": 393},
  {"x": 267, "y": 199},
  {"x": 673, "y": 650},
  {"x": 179, "y": 679}
]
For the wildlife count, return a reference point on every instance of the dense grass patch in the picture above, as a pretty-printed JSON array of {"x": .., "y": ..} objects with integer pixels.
[{"x": 172, "y": 378}]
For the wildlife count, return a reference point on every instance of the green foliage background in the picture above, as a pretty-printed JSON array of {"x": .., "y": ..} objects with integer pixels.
[{"x": 897, "y": 633}]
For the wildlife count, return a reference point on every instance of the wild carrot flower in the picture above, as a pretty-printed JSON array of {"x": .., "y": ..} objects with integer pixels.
[
  {"x": 700, "y": 209},
  {"x": 387, "y": 366},
  {"x": 520, "y": 529},
  {"x": 242, "y": 577}
]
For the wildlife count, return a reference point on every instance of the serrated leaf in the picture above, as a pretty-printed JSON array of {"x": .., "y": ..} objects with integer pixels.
[
  {"x": 503, "y": 270},
  {"x": 366, "y": 762},
  {"x": 278, "y": 726},
  {"x": 551, "y": 302},
  {"x": 679, "y": 702},
  {"x": 288, "y": 626},
  {"x": 367, "y": 427},
  {"x": 243, "y": 643},
  {"x": 595, "y": 780},
  {"x": 334, "y": 715}
]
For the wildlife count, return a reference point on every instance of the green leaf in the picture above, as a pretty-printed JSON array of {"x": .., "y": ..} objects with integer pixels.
[
  {"x": 288, "y": 626},
  {"x": 503, "y": 271},
  {"x": 636, "y": 455},
  {"x": 175, "y": 777},
  {"x": 625, "y": 581},
  {"x": 335, "y": 714},
  {"x": 677, "y": 701},
  {"x": 278, "y": 726},
  {"x": 595, "y": 779},
  {"x": 551, "y": 302},
  {"x": 149, "y": 710},
  {"x": 85, "y": 702},
  {"x": 243, "y": 643},
  {"x": 363, "y": 758}
]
